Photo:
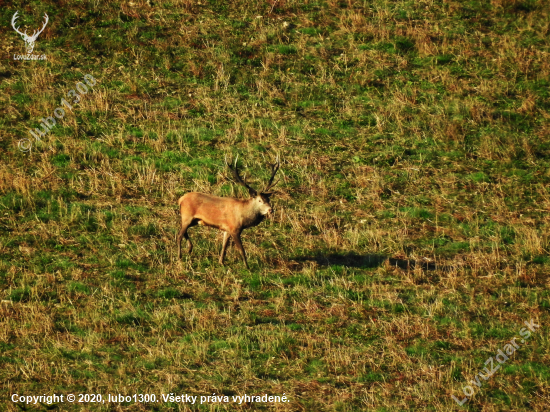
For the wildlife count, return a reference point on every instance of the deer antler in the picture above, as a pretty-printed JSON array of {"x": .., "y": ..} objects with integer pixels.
[
  {"x": 34, "y": 36},
  {"x": 17, "y": 28},
  {"x": 238, "y": 179},
  {"x": 25, "y": 35},
  {"x": 274, "y": 169}
]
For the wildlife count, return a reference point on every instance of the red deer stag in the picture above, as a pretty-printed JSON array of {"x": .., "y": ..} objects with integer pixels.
[{"x": 226, "y": 213}]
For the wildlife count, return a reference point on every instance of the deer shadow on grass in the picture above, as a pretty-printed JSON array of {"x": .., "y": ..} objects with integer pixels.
[
  {"x": 356, "y": 260},
  {"x": 350, "y": 259}
]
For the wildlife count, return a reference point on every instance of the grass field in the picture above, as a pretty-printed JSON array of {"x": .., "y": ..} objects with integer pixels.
[{"x": 410, "y": 240}]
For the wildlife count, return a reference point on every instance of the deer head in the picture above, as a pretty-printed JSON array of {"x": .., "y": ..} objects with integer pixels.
[
  {"x": 261, "y": 198},
  {"x": 29, "y": 40}
]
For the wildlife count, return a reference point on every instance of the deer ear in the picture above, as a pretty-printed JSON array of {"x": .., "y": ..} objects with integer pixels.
[
  {"x": 252, "y": 192},
  {"x": 267, "y": 194}
]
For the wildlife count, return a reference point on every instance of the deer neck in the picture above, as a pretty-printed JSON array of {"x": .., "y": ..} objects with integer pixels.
[{"x": 251, "y": 214}]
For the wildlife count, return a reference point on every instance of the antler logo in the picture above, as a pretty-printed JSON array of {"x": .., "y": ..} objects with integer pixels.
[{"x": 29, "y": 40}]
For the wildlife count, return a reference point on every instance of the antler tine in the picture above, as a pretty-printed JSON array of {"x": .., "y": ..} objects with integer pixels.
[
  {"x": 238, "y": 179},
  {"x": 274, "y": 168}
]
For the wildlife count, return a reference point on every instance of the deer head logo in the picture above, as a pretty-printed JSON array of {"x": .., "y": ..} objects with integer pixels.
[{"x": 29, "y": 40}]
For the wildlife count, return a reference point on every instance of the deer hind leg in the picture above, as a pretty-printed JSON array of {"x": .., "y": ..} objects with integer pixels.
[
  {"x": 185, "y": 224},
  {"x": 224, "y": 246},
  {"x": 237, "y": 239}
]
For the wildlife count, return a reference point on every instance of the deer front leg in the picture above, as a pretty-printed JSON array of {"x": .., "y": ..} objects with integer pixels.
[
  {"x": 224, "y": 246},
  {"x": 237, "y": 239}
]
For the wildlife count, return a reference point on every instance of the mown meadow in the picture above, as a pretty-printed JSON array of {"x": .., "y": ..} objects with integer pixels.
[{"x": 410, "y": 239}]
